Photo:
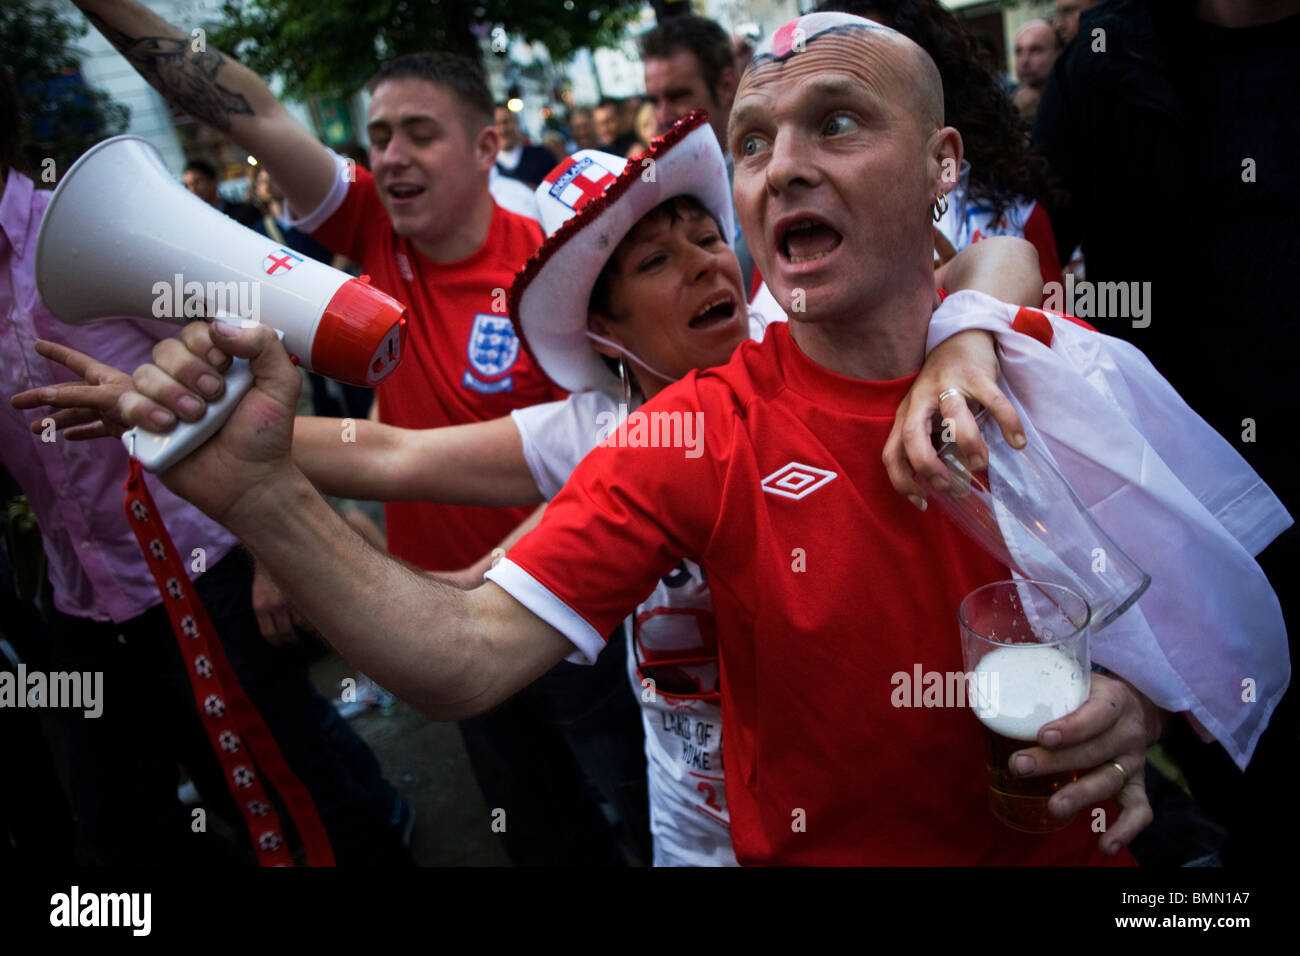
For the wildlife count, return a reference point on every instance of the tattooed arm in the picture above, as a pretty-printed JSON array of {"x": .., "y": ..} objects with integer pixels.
[{"x": 214, "y": 89}]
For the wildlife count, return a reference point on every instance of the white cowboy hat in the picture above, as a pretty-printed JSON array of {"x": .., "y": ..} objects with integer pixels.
[{"x": 588, "y": 204}]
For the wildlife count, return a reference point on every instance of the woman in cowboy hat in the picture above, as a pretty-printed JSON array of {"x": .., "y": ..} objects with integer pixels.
[{"x": 635, "y": 287}]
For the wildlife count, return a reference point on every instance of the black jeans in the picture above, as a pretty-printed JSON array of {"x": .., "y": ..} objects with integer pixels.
[
  {"x": 123, "y": 764},
  {"x": 545, "y": 754}
]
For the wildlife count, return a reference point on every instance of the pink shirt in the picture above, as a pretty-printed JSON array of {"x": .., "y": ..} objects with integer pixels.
[{"x": 75, "y": 488}]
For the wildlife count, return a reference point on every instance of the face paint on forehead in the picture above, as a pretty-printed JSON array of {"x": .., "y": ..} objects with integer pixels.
[{"x": 795, "y": 36}]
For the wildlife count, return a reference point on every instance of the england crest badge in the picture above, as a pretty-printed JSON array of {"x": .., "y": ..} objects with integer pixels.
[{"x": 493, "y": 350}]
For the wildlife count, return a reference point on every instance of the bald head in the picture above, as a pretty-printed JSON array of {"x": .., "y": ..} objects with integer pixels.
[
  {"x": 1034, "y": 27},
  {"x": 922, "y": 84},
  {"x": 840, "y": 153},
  {"x": 927, "y": 91},
  {"x": 893, "y": 57},
  {"x": 1034, "y": 49}
]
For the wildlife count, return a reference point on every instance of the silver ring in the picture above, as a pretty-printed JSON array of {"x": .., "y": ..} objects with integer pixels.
[
  {"x": 949, "y": 393},
  {"x": 1120, "y": 767}
]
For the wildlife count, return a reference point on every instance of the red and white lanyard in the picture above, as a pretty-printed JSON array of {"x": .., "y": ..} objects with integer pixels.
[{"x": 239, "y": 737}]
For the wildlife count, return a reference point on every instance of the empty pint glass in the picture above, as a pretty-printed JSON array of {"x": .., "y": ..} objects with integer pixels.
[
  {"x": 1025, "y": 514},
  {"x": 1025, "y": 648}
]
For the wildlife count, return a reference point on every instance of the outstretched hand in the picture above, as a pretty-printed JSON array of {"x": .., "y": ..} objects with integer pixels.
[
  {"x": 185, "y": 374},
  {"x": 88, "y": 408}
]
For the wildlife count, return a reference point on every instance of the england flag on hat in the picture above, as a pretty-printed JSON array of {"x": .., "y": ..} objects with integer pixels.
[{"x": 578, "y": 180}]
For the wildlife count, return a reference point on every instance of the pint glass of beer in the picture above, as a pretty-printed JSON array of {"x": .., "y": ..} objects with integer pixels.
[{"x": 1025, "y": 647}]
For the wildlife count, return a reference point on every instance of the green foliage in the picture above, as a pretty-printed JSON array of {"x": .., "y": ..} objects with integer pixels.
[
  {"x": 331, "y": 47},
  {"x": 62, "y": 116}
]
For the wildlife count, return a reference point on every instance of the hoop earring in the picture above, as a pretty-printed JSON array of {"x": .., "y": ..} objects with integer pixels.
[
  {"x": 626, "y": 382},
  {"x": 940, "y": 206}
]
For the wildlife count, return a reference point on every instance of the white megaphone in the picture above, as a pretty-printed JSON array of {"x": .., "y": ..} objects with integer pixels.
[{"x": 121, "y": 237}]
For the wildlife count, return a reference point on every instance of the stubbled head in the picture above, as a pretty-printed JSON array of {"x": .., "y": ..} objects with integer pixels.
[
  {"x": 1035, "y": 47},
  {"x": 840, "y": 153}
]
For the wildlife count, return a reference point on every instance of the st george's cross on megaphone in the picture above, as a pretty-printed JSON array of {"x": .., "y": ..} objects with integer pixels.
[{"x": 121, "y": 237}]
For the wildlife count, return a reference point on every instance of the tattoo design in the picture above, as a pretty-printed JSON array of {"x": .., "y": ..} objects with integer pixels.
[{"x": 185, "y": 78}]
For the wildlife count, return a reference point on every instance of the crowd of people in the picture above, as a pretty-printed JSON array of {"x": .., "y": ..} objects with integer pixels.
[{"x": 655, "y": 462}]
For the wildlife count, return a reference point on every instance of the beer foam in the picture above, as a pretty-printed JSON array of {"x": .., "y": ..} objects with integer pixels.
[{"x": 1018, "y": 689}]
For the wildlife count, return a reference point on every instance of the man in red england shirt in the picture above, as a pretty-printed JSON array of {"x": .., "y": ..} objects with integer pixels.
[{"x": 825, "y": 581}]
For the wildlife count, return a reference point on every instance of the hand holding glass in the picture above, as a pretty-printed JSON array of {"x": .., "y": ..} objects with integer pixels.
[{"x": 1025, "y": 645}]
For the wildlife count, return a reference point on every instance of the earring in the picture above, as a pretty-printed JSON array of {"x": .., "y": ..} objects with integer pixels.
[
  {"x": 626, "y": 382},
  {"x": 940, "y": 206}
]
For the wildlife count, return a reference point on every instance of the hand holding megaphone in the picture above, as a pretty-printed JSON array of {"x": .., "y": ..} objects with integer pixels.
[
  {"x": 121, "y": 237},
  {"x": 255, "y": 444},
  {"x": 253, "y": 447}
]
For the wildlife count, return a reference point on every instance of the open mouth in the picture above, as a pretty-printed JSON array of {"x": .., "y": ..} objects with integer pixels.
[
  {"x": 404, "y": 191},
  {"x": 807, "y": 240},
  {"x": 721, "y": 308}
]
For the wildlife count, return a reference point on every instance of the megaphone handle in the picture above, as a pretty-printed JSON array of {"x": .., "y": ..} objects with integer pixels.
[{"x": 157, "y": 452}]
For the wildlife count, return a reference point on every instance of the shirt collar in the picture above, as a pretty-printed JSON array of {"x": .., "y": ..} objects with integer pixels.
[
  {"x": 854, "y": 396},
  {"x": 16, "y": 211}
]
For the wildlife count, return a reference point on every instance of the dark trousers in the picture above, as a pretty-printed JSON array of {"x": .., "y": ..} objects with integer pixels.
[
  {"x": 1254, "y": 806},
  {"x": 123, "y": 764},
  {"x": 544, "y": 755},
  {"x": 35, "y": 821}
]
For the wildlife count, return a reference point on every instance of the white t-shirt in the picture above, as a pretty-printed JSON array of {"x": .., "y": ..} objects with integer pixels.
[
  {"x": 968, "y": 220},
  {"x": 509, "y": 158},
  {"x": 673, "y": 651},
  {"x": 513, "y": 195}
]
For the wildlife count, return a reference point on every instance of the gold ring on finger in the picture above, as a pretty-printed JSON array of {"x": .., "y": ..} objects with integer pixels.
[{"x": 1120, "y": 767}]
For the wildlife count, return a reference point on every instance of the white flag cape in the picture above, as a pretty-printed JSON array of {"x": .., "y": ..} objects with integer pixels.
[{"x": 1208, "y": 636}]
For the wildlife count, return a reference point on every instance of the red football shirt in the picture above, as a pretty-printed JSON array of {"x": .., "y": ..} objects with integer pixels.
[
  {"x": 462, "y": 364},
  {"x": 826, "y": 583}
]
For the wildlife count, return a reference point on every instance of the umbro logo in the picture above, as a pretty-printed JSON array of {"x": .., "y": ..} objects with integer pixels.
[{"x": 796, "y": 481}]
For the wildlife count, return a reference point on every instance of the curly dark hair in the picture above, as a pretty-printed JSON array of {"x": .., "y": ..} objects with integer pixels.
[{"x": 1004, "y": 169}]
